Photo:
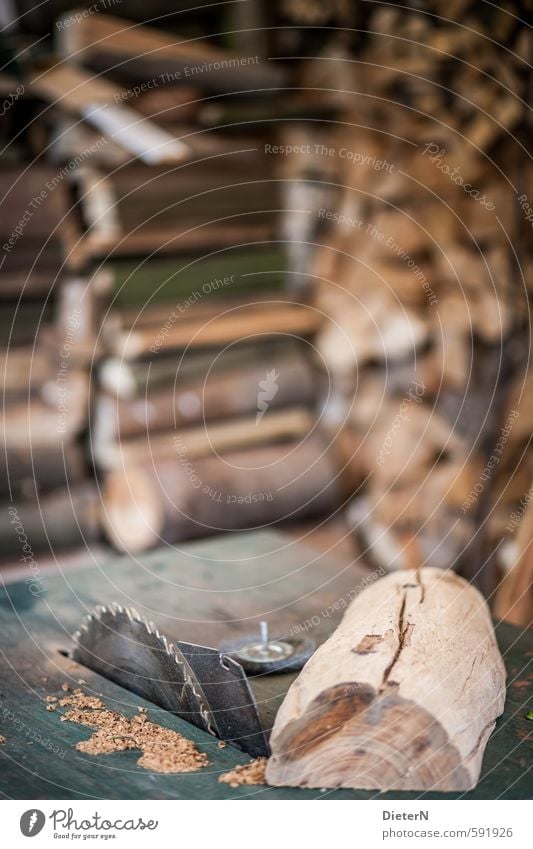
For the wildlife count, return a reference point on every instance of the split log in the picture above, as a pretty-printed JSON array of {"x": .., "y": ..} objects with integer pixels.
[
  {"x": 403, "y": 696},
  {"x": 179, "y": 498}
]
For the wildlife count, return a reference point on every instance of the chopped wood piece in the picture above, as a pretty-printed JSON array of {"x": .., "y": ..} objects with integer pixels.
[
  {"x": 179, "y": 497},
  {"x": 412, "y": 713}
]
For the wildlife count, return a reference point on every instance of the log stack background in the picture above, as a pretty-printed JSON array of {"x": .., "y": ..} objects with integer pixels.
[{"x": 373, "y": 285}]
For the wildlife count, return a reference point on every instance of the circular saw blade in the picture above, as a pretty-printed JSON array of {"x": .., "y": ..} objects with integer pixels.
[{"x": 121, "y": 645}]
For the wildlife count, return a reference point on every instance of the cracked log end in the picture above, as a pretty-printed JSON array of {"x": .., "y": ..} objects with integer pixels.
[{"x": 403, "y": 696}]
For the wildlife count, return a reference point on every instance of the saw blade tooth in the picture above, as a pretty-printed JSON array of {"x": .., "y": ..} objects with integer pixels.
[
  {"x": 115, "y": 608},
  {"x": 205, "y": 715},
  {"x": 135, "y": 614},
  {"x": 165, "y": 643},
  {"x": 76, "y": 636},
  {"x": 99, "y": 611}
]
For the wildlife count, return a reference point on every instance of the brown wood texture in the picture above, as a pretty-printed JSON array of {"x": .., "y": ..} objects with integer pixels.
[
  {"x": 176, "y": 498},
  {"x": 403, "y": 696},
  {"x": 230, "y": 394}
]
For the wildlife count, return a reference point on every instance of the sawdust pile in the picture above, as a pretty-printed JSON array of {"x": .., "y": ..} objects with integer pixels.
[
  {"x": 251, "y": 773},
  {"x": 163, "y": 750}
]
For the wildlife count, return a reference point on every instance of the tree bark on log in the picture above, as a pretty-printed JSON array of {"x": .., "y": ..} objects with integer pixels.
[
  {"x": 403, "y": 696},
  {"x": 133, "y": 379},
  {"x": 215, "y": 396},
  {"x": 201, "y": 441},
  {"x": 174, "y": 500},
  {"x": 226, "y": 328}
]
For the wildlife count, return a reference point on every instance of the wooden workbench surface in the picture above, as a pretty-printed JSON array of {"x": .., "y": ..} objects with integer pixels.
[{"x": 204, "y": 592}]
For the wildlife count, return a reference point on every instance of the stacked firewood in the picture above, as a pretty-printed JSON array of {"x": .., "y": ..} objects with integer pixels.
[
  {"x": 48, "y": 331},
  {"x": 423, "y": 267},
  {"x": 202, "y": 407}
]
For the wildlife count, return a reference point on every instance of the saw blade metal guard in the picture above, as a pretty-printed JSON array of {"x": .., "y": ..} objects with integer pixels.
[{"x": 196, "y": 683}]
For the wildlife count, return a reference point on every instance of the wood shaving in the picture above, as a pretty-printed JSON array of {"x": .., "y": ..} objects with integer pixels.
[
  {"x": 80, "y": 699},
  {"x": 250, "y": 773},
  {"x": 2, "y": 740},
  {"x": 163, "y": 750}
]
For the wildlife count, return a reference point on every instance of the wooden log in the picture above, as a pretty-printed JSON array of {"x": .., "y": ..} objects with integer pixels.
[
  {"x": 135, "y": 211},
  {"x": 229, "y": 435},
  {"x": 36, "y": 199},
  {"x": 62, "y": 519},
  {"x": 171, "y": 103},
  {"x": 173, "y": 500},
  {"x": 58, "y": 415},
  {"x": 79, "y": 306},
  {"x": 97, "y": 101},
  {"x": 514, "y": 597},
  {"x": 129, "y": 379},
  {"x": 147, "y": 316},
  {"x": 212, "y": 396},
  {"x": 25, "y": 472},
  {"x": 403, "y": 696},
  {"x": 195, "y": 236},
  {"x": 226, "y": 328},
  {"x": 245, "y": 268},
  {"x": 105, "y": 42}
]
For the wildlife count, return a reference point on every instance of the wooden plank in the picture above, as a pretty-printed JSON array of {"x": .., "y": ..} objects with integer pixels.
[
  {"x": 226, "y": 328},
  {"x": 232, "y": 434},
  {"x": 95, "y": 99},
  {"x": 109, "y": 42}
]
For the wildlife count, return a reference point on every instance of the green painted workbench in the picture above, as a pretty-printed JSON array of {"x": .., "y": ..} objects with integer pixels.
[{"x": 204, "y": 592}]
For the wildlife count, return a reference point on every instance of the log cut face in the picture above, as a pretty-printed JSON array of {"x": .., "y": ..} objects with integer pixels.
[{"x": 403, "y": 696}]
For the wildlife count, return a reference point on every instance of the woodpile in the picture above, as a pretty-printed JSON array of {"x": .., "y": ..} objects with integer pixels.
[
  {"x": 49, "y": 321},
  {"x": 422, "y": 263},
  {"x": 167, "y": 223}
]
